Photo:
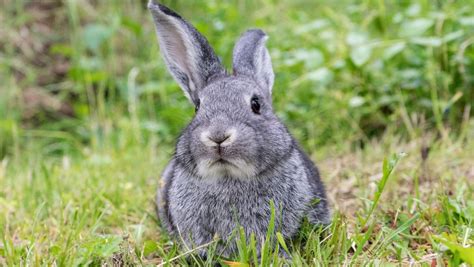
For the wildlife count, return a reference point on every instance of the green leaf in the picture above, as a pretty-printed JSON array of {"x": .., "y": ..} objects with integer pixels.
[
  {"x": 466, "y": 254},
  {"x": 281, "y": 240},
  {"x": 414, "y": 9},
  {"x": 361, "y": 243},
  {"x": 427, "y": 41},
  {"x": 356, "y": 101},
  {"x": 267, "y": 245},
  {"x": 321, "y": 75},
  {"x": 102, "y": 246},
  {"x": 149, "y": 247},
  {"x": 361, "y": 54},
  {"x": 393, "y": 50},
  {"x": 401, "y": 228},
  {"x": 355, "y": 38},
  {"x": 453, "y": 36},
  {"x": 387, "y": 170},
  {"x": 242, "y": 246},
  {"x": 467, "y": 21},
  {"x": 415, "y": 27}
]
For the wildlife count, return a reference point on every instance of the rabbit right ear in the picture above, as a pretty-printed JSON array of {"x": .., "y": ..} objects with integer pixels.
[{"x": 188, "y": 55}]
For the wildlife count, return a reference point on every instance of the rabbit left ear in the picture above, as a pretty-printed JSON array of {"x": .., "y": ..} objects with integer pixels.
[
  {"x": 251, "y": 58},
  {"x": 188, "y": 55}
]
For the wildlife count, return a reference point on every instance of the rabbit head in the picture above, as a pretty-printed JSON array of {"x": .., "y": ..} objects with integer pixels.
[{"x": 234, "y": 132}]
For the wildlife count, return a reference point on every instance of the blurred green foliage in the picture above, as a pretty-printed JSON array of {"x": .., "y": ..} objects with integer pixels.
[{"x": 346, "y": 71}]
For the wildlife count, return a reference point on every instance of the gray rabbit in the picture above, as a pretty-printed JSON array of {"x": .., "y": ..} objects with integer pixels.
[{"x": 235, "y": 157}]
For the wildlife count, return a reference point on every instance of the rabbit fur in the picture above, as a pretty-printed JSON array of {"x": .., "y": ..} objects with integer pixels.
[{"x": 235, "y": 157}]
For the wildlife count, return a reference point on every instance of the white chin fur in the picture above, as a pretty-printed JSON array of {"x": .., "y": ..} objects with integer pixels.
[{"x": 238, "y": 169}]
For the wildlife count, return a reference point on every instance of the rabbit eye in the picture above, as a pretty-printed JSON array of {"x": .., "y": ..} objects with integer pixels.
[
  {"x": 255, "y": 105},
  {"x": 196, "y": 106}
]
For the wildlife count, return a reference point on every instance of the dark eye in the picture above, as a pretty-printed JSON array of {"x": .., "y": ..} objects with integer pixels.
[
  {"x": 255, "y": 105},
  {"x": 196, "y": 106}
]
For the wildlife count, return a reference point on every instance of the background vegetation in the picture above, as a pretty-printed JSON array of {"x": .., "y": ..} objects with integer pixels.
[{"x": 89, "y": 116}]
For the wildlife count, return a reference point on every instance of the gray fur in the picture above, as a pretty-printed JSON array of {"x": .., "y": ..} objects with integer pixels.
[
  {"x": 251, "y": 58},
  {"x": 199, "y": 197},
  {"x": 188, "y": 55}
]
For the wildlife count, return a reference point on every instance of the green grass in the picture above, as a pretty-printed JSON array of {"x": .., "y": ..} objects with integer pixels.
[
  {"x": 379, "y": 93},
  {"x": 98, "y": 207}
]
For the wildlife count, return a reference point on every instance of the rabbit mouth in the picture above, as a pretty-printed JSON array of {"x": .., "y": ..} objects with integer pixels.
[{"x": 223, "y": 163}]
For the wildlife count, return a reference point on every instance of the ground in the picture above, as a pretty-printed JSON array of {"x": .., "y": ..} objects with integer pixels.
[{"x": 99, "y": 207}]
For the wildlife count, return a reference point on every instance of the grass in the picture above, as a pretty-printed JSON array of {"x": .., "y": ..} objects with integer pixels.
[
  {"x": 98, "y": 208},
  {"x": 379, "y": 92}
]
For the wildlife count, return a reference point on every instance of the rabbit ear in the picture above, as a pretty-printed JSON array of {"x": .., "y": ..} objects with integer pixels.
[
  {"x": 188, "y": 55},
  {"x": 251, "y": 58}
]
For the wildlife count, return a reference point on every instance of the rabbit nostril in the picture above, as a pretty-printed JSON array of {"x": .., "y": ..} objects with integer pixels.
[{"x": 219, "y": 140}]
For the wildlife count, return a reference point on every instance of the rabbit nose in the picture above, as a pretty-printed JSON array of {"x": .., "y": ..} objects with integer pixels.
[{"x": 218, "y": 138}]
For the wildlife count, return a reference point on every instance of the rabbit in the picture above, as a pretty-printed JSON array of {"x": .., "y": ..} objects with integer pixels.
[{"x": 235, "y": 157}]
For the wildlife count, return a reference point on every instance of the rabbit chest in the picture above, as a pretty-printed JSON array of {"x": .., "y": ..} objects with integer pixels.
[{"x": 208, "y": 208}]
